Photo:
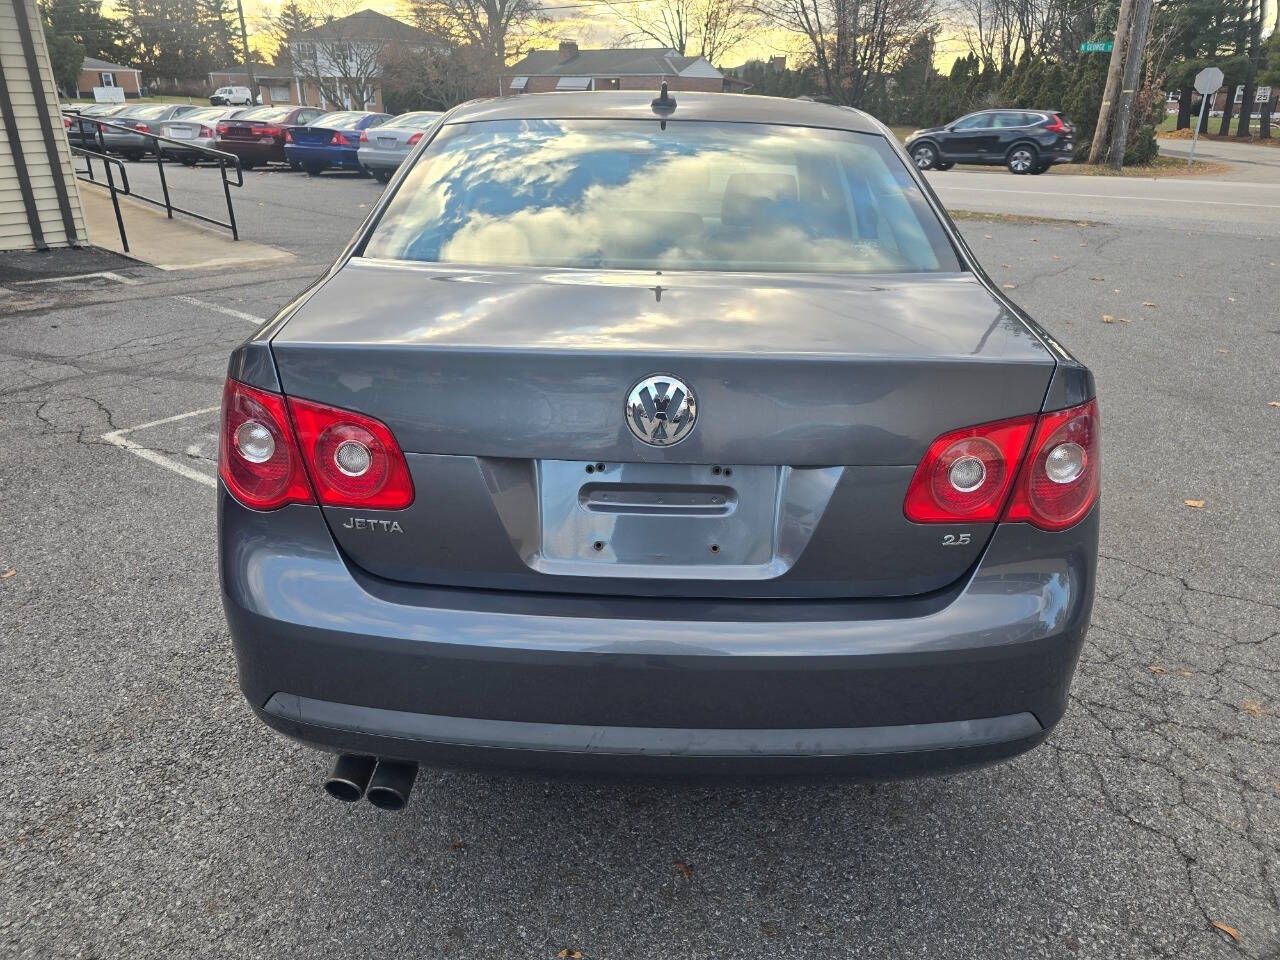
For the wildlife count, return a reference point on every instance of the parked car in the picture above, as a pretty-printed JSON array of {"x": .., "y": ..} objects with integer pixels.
[
  {"x": 382, "y": 148},
  {"x": 199, "y": 128},
  {"x": 143, "y": 119},
  {"x": 231, "y": 96},
  {"x": 675, "y": 439},
  {"x": 1025, "y": 141},
  {"x": 257, "y": 136},
  {"x": 81, "y": 131},
  {"x": 331, "y": 140}
]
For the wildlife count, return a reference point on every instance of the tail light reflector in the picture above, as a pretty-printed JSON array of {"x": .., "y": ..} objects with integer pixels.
[
  {"x": 364, "y": 136},
  {"x": 288, "y": 136},
  {"x": 142, "y": 127},
  {"x": 353, "y": 460},
  {"x": 415, "y": 138},
  {"x": 258, "y": 458},
  {"x": 205, "y": 132},
  {"x": 1060, "y": 478},
  {"x": 966, "y": 474},
  {"x": 339, "y": 140},
  {"x": 1056, "y": 125},
  {"x": 265, "y": 131}
]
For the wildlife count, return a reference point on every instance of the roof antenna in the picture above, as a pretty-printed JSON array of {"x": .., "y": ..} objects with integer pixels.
[{"x": 664, "y": 104}]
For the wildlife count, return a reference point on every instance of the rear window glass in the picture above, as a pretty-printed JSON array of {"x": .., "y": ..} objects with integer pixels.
[
  {"x": 263, "y": 113},
  {"x": 418, "y": 119},
  {"x": 632, "y": 195},
  {"x": 338, "y": 119},
  {"x": 149, "y": 112}
]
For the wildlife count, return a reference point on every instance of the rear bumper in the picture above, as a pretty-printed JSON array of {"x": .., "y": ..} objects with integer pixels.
[
  {"x": 331, "y": 156},
  {"x": 252, "y": 150},
  {"x": 378, "y": 159},
  {"x": 346, "y": 662}
]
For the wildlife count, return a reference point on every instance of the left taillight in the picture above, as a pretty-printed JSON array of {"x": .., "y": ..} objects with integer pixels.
[
  {"x": 353, "y": 459},
  {"x": 966, "y": 474},
  {"x": 258, "y": 459}
]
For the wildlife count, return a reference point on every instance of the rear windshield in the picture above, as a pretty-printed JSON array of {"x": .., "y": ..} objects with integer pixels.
[
  {"x": 421, "y": 118},
  {"x": 338, "y": 119},
  {"x": 147, "y": 113},
  {"x": 633, "y": 195},
  {"x": 263, "y": 113}
]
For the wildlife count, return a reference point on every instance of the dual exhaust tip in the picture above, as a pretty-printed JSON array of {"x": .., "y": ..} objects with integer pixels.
[{"x": 384, "y": 783}]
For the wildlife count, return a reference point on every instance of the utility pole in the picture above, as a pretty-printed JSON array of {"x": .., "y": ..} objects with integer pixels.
[
  {"x": 1107, "y": 110},
  {"x": 244, "y": 44},
  {"x": 1132, "y": 74},
  {"x": 1256, "y": 13}
]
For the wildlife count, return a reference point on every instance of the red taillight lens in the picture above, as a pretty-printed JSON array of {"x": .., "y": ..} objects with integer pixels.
[
  {"x": 1060, "y": 479},
  {"x": 1056, "y": 126},
  {"x": 66, "y": 122},
  {"x": 264, "y": 131},
  {"x": 966, "y": 474},
  {"x": 258, "y": 459},
  {"x": 364, "y": 136},
  {"x": 288, "y": 136},
  {"x": 206, "y": 132},
  {"x": 142, "y": 127},
  {"x": 221, "y": 128},
  {"x": 414, "y": 139},
  {"x": 353, "y": 460},
  {"x": 339, "y": 140}
]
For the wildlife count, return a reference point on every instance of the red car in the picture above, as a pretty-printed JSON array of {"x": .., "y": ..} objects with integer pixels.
[{"x": 257, "y": 136}]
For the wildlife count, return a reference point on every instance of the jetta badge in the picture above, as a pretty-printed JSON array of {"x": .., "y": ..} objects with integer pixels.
[{"x": 661, "y": 410}]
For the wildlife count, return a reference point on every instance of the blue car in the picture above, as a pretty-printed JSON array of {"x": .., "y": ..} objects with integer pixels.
[{"x": 332, "y": 140}]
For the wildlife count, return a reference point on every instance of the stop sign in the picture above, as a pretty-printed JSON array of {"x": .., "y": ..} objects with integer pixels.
[{"x": 1208, "y": 80}]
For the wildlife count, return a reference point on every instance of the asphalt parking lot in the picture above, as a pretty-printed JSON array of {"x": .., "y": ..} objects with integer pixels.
[{"x": 147, "y": 813}]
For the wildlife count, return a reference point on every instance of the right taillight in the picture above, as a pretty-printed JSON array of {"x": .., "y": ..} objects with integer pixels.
[
  {"x": 1059, "y": 480},
  {"x": 413, "y": 140},
  {"x": 258, "y": 459}
]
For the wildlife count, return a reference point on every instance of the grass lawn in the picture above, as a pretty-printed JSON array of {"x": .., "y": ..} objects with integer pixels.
[{"x": 1171, "y": 122}]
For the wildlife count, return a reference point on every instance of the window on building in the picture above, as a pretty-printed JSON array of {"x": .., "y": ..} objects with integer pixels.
[{"x": 106, "y": 79}]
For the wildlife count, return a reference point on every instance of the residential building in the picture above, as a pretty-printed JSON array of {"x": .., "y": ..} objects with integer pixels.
[
  {"x": 101, "y": 73},
  {"x": 338, "y": 64},
  {"x": 275, "y": 82},
  {"x": 39, "y": 200},
  {"x": 627, "y": 68}
]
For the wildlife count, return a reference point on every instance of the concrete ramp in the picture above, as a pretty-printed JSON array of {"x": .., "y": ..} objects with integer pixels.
[{"x": 177, "y": 244}]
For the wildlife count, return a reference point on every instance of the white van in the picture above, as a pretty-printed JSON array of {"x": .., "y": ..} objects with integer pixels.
[{"x": 231, "y": 97}]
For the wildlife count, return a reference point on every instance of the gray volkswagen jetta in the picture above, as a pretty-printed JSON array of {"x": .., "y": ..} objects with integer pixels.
[{"x": 666, "y": 436}]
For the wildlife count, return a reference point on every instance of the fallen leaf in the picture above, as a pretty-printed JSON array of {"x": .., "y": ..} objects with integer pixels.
[
  {"x": 1231, "y": 932},
  {"x": 1270, "y": 403},
  {"x": 1108, "y": 318},
  {"x": 1253, "y": 708},
  {"x": 458, "y": 845},
  {"x": 1156, "y": 668},
  {"x": 1034, "y": 240},
  {"x": 1125, "y": 320},
  {"x": 1009, "y": 286},
  {"x": 1231, "y": 299},
  {"x": 1185, "y": 673},
  {"x": 1056, "y": 257},
  {"x": 1006, "y": 265},
  {"x": 1115, "y": 290},
  {"x": 11, "y": 572},
  {"x": 1147, "y": 303},
  {"x": 987, "y": 236},
  {"x": 564, "y": 953},
  {"x": 1196, "y": 504},
  {"x": 1223, "y": 350},
  {"x": 363, "y": 205},
  {"x": 1098, "y": 279},
  {"x": 686, "y": 871},
  {"x": 1179, "y": 275}
]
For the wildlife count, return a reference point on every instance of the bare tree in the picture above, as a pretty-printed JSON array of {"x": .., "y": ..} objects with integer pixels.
[
  {"x": 855, "y": 45},
  {"x": 502, "y": 29},
  {"x": 706, "y": 28},
  {"x": 340, "y": 58}
]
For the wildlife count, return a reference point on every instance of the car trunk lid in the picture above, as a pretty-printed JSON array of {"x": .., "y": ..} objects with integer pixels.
[{"x": 816, "y": 397}]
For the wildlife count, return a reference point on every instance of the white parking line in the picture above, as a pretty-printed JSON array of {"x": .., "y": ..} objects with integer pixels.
[
  {"x": 117, "y": 438},
  {"x": 105, "y": 274},
  {"x": 218, "y": 308}
]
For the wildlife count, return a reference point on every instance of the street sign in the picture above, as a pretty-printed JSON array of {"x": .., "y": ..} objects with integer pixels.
[
  {"x": 1097, "y": 46},
  {"x": 1208, "y": 80}
]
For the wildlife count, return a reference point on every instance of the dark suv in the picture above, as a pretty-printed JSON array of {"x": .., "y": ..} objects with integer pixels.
[{"x": 1025, "y": 141}]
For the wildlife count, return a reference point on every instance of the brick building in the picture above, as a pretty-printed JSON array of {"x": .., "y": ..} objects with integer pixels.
[{"x": 633, "y": 68}]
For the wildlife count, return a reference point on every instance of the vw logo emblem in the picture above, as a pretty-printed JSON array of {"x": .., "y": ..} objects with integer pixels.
[{"x": 661, "y": 410}]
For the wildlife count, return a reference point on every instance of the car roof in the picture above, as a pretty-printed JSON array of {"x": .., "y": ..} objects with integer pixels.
[{"x": 636, "y": 105}]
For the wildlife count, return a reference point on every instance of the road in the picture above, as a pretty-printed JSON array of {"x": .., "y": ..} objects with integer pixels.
[{"x": 146, "y": 813}]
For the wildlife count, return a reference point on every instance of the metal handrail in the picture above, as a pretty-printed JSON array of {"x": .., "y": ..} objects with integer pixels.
[
  {"x": 116, "y": 192},
  {"x": 221, "y": 157}
]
